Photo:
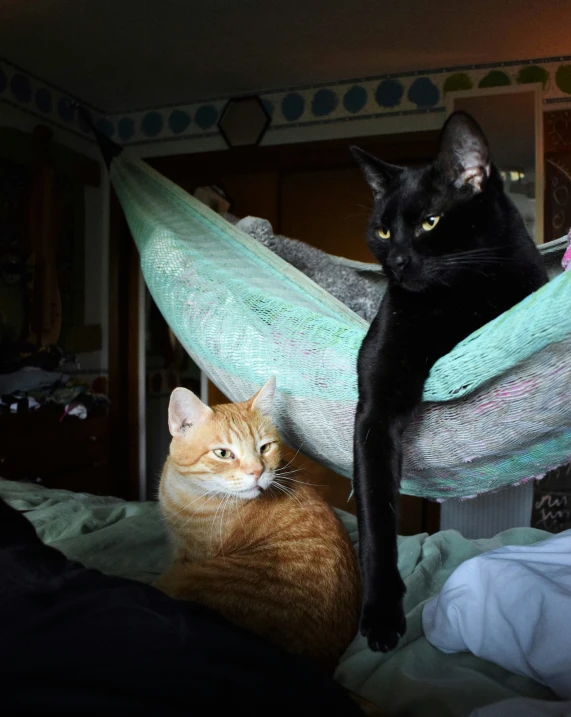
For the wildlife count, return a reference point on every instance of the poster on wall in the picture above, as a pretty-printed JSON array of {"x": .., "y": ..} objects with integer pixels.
[{"x": 511, "y": 118}]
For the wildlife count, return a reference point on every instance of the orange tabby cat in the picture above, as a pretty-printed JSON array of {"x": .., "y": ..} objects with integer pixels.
[{"x": 266, "y": 552}]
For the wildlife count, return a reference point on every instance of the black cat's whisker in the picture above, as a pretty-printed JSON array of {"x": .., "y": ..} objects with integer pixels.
[
  {"x": 475, "y": 254},
  {"x": 473, "y": 262},
  {"x": 461, "y": 264},
  {"x": 441, "y": 280},
  {"x": 467, "y": 265},
  {"x": 479, "y": 250}
]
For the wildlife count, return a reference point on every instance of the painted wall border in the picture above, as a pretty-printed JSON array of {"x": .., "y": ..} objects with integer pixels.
[
  {"x": 292, "y": 108},
  {"x": 42, "y": 99}
]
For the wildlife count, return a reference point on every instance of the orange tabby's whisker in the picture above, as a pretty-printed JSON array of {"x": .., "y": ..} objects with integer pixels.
[
  {"x": 288, "y": 473},
  {"x": 222, "y": 521},
  {"x": 240, "y": 514},
  {"x": 184, "y": 507},
  {"x": 187, "y": 506},
  {"x": 288, "y": 492},
  {"x": 214, "y": 521},
  {"x": 303, "y": 482},
  {"x": 202, "y": 504},
  {"x": 293, "y": 459},
  {"x": 221, "y": 506},
  {"x": 279, "y": 471}
]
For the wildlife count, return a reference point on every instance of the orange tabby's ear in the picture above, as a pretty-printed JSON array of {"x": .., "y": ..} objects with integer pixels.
[
  {"x": 186, "y": 409},
  {"x": 263, "y": 401}
]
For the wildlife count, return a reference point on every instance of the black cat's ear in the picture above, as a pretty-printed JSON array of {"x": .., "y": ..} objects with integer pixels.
[
  {"x": 464, "y": 155},
  {"x": 378, "y": 174}
]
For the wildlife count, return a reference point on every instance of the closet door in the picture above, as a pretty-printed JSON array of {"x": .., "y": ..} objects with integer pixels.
[{"x": 328, "y": 209}]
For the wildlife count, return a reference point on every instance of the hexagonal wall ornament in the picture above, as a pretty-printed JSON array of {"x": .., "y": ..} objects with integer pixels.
[{"x": 244, "y": 121}]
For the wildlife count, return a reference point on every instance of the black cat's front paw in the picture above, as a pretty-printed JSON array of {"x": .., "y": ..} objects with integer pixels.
[{"x": 383, "y": 623}]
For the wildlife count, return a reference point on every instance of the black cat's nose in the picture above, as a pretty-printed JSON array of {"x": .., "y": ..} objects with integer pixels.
[{"x": 398, "y": 263}]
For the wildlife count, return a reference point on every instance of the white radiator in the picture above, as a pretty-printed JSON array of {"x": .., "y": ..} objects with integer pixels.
[{"x": 490, "y": 513}]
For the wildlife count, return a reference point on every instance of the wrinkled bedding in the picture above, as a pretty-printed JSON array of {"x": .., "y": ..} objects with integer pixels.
[{"x": 128, "y": 540}]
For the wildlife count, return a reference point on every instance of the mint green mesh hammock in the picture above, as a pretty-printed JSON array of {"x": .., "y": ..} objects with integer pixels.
[{"x": 497, "y": 409}]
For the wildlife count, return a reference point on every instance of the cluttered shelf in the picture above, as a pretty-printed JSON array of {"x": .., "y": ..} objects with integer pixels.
[{"x": 54, "y": 424}]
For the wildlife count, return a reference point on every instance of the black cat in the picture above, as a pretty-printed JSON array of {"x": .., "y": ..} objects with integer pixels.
[{"x": 457, "y": 254}]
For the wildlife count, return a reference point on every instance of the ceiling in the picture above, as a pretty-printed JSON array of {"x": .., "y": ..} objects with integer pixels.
[{"x": 137, "y": 53}]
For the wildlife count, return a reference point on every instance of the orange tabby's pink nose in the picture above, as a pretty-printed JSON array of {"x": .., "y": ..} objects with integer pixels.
[{"x": 255, "y": 472}]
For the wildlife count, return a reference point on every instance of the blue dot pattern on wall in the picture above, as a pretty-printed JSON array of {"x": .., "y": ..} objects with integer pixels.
[
  {"x": 65, "y": 109},
  {"x": 179, "y": 121},
  {"x": 355, "y": 99},
  {"x": 126, "y": 128},
  {"x": 21, "y": 87},
  {"x": 82, "y": 122},
  {"x": 389, "y": 93},
  {"x": 152, "y": 124},
  {"x": 206, "y": 116},
  {"x": 106, "y": 127},
  {"x": 43, "y": 100},
  {"x": 324, "y": 103},
  {"x": 423, "y": 92},
  {"x": 3, "y": 80},
  {"x": 293, "y": 106}
]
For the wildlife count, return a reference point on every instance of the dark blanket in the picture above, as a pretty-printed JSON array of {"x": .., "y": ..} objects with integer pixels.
[{"x": 74, "y": 640}]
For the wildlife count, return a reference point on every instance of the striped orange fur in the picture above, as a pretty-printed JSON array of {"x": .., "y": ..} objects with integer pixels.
[{"x": 249, "y": 541}]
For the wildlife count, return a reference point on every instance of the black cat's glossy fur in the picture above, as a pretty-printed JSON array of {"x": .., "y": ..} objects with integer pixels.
[{"x": 472, "y": 261}]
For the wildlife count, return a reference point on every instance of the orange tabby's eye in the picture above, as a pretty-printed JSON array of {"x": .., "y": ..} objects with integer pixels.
[
  {"x": 223, "y": 453},
  {"x": 265, "y": 448}
]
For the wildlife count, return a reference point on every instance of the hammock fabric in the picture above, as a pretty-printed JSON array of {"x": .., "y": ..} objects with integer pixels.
[{"x": 497, "y": 409}]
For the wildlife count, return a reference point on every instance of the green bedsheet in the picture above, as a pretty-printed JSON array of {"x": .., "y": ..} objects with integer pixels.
[{"x": 128, "y": 539}]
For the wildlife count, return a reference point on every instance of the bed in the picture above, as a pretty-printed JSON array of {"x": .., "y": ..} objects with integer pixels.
[{"x": 127, "y": 539}]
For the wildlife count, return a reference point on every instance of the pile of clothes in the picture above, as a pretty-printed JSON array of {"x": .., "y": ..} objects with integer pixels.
[{"x": 32, "y": 378}]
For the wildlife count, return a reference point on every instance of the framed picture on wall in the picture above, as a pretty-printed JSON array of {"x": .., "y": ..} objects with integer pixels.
[{"x": 512, "y": 120}]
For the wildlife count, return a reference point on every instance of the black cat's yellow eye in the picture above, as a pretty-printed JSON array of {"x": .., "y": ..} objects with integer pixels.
[
  {"x": 429, "y": 223},
  {"x": 383, "y": 232},
  {"x": 222, "y": 453},
  {"x": 265, "y": 448}
]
